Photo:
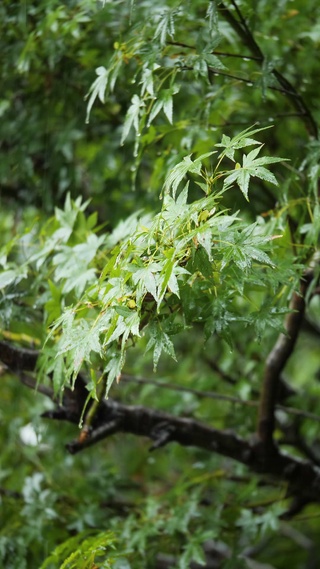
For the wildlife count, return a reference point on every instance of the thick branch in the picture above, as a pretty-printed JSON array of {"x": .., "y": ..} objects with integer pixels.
[
  {"x": 18, "y": 358},
  {"x": 276, "y": 362},
  {"x": 303, "y": 478},
  {"x": 163, "y": 428},
  {"x": 112, "y": 417}
]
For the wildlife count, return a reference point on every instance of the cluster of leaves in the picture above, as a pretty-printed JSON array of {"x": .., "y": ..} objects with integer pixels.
[
  {"x": 82, "y": 552},
  {"x": 192, "y": 262},
  {"x": 49, "y": 54},
  {"x": 162, "y": 112}
]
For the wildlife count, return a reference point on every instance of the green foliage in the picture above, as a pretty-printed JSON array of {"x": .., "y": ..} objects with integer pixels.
[
  {"x": 110, "y": 289},
  {"x": 82, "y": 552},
  {"x": 150, "y": 230}
]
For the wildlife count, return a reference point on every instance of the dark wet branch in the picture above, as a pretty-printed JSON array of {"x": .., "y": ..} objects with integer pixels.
[
  {"x": 276, "y": 362},
  {"x": 302, "y": 477},
  {"x": 17, "y": 358},
  {"x": 32, "y": 383},
  {"x": 112, "y": 417}
]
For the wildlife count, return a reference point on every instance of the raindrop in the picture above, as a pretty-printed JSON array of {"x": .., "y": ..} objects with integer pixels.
[
  {"x": 270, "y": 119},
  {"x": 250, "y": 84}
]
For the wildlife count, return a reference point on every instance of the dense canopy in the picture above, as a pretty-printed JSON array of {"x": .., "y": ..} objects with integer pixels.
[{"x": 159, "y": 284}]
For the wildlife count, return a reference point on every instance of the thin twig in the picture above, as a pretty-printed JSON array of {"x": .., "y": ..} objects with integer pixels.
[
  {"x": 218, "y": 396},
  {"x": 94, "y": 437},
  {"x": 243, "y": 31},
  {"x": 215, "y": 52}
]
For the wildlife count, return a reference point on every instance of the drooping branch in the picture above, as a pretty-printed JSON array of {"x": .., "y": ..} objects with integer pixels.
[{"x": 241, "y": 28}]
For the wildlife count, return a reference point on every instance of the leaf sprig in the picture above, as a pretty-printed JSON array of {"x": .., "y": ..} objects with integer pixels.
[{"x": 152, "y": 276}]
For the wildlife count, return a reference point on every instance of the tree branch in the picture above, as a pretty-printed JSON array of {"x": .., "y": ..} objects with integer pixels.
[
  {"x": 112, "y": 417},
  {"x": 243, "y": 31},
  {"x": 302, "y": 476},
  {"x": 18, "y": 358},
  {"x": 284, "y": 391},
  {"x": 276, "y": 362}
]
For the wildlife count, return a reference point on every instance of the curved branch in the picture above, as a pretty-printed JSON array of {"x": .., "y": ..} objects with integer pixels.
[{"x": 276, "y": 362}]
